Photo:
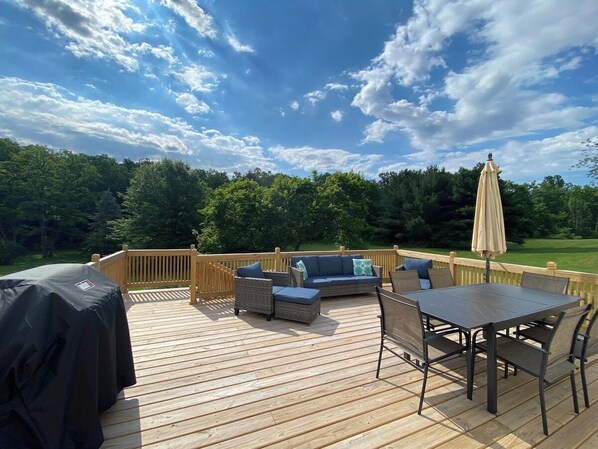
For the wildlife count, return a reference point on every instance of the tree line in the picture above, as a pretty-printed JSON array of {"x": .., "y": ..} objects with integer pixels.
[{"x": 53, "y": 200}]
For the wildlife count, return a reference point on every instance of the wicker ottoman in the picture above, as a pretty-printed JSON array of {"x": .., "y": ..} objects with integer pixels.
[{"x": 297, "y": 304}]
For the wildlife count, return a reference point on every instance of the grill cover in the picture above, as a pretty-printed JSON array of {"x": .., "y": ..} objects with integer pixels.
[{"x": 65, "y": 354}]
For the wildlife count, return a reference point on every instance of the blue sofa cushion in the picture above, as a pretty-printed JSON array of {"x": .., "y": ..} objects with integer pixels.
[
  {"x": 277, "y": 288},
  {"x": 251, "y": 271},
  {"x": 421, "y": 265},
  {"x": 316, "y": 282},
  {"x": 330, "y": 265},
  {"x": 311, "y": 264},
  {"x": 297, "y": 295},
  {"x": 425, "y": 284},
  {"x": 346, "y": 280},
  {"x": 347, "y": 262}
]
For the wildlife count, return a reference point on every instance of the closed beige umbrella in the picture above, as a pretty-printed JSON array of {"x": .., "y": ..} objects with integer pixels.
[{"x": 488, "y": 238}]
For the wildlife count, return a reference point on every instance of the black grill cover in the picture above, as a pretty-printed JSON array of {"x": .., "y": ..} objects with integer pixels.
[{"x": 65, "y": 354}]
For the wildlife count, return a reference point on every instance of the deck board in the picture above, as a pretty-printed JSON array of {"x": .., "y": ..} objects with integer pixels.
[{"x": 208, "y": 378}]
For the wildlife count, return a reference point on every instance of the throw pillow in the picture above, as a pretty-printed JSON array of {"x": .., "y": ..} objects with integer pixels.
[
  {"x": 300, "y": 265},
  {"x": 362, "y": 267},
  {"x": 251, "y": 271}
]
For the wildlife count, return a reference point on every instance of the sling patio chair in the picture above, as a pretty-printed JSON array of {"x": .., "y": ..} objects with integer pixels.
[
  {"x": 550, "y": 364},
  {"x": 401, "y": 325},
  {"x": 586, "y": 345},
  {"x": 408, "y": 281},
  {"x": 537, "y": 330},
  {"x": 441, "y": 278}
]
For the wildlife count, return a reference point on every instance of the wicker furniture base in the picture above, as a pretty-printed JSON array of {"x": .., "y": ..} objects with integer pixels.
[{"x": 304, "y": 313}]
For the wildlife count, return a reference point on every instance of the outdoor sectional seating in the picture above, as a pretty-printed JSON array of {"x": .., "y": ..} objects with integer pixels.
[
  {"x": 334, "y": 275},
  {"x": 269, "y": 292}
]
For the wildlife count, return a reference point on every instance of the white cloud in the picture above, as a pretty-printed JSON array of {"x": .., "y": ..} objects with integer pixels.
[
  {"x": 326, "y": 160},
  {"x": 195, "y": 16},
  {"x": 198, "y": 78},
  {"x": 337, "y": 116},
  {"x": 238, "y": 46},
  {"x": 205, "y": 53},
  {"x": 191, "y": 104},
  {"x": 315, "y": 96},
  {"x": 500, "y": 94},
  {"x": 376, "y": 131},
  {"x": 336, "y": 86},
  {"x": 51, "y": 114},
  {"x": 294, "y": 105},
  {"x": 92, "y": 28}
]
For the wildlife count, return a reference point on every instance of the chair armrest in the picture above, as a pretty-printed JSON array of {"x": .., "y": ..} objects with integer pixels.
[
  {"x": 296, "y": 277},
  {"x": 377, "y": 270},
  {"x": 523, "y": 343},
  {"x": 278, "y": 277},
  {"x": 400, "y": 268},
  {"x": 252, "y": 287}
]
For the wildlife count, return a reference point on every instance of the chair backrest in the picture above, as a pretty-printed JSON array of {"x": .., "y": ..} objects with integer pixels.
[
  {"x": 441, "y": 277},
  {"x": 404, "y": 281},
  {"x": 544, "y": 282},
  {"x": 592, "y": 332},
  {"x": 402, "y": 322},
  {"x": 562, "y": 339}
]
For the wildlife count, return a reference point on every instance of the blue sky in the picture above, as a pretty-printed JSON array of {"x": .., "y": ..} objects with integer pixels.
[{"x": 296, "y": 86}]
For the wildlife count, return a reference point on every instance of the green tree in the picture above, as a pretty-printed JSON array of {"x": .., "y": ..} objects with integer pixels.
[
  {"x": 99, "y": 237},
  {"x": 290, "y": 207},
  {"x": 343, "y": 207},
  {"x": 162, "y": 206},
  {"x": 589, "y": 158},
  {"x": 550, "y": 207},
  {"x": 235, "y": 219}
]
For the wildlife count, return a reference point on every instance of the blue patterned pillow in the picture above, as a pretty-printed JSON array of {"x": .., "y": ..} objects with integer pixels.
[
  {"x": 362, "y": 267},
  {"x": 300, "y": 265}
]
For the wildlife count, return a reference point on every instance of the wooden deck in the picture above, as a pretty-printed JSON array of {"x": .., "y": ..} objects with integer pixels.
[{"x": 207, "y": 378}]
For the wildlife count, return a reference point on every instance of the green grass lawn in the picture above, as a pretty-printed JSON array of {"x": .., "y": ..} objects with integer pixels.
[
  {"x": 574, "y": 255},
  {"x": 35, "y": 260}
]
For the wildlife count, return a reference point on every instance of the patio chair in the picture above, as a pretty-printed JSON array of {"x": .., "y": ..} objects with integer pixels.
[
  {"x": 254, "y": 289},
  {"x": 404, "y": 281},
  {"x": 538, "y": 330},
  {"x": 401, "y": 324},
  {"x": 586, "y": 345},
  {"x": 441, "y": 277},
  {"x": 408, "y": 281},
  {"x": 550, "y": 364}
]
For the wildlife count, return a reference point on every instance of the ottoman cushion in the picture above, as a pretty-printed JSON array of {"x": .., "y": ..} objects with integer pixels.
[{"x": 297, "y": 295}]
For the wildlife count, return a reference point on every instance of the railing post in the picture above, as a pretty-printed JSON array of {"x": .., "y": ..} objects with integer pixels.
[
  {"x": 396, "y": 256},
  {"x": 125, "y": 286},
  {"x": 342, "y": 250},
  {"x": 551, "y": 268},
  {"x": 95, "y": 258},
  {"x": 193, "y": 276},
  {"x": 452, "y": 256},
  {"x": 277, "y": 259}
]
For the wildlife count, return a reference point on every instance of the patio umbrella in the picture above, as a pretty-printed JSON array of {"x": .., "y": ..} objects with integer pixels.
[{"x": 488, "y": 238}]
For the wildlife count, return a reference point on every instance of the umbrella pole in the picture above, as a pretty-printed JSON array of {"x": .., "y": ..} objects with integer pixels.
[{"x": 487, "y": 270}]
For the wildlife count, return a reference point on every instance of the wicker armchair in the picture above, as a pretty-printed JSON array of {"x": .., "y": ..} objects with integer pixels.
[{"x": 256, "y": 294}]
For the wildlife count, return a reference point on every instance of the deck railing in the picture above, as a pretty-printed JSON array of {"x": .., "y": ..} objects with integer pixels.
[{"x": 211, "y": 276}]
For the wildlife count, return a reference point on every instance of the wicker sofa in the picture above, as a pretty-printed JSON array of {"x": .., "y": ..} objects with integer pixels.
[{"x": 333, "y": 275}]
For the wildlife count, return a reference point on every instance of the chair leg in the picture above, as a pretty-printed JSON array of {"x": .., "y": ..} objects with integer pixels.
[
  {"x": 421, "y": 397},
  {"x": 380, "y": 357},
  {"x": 543, "y": 407},
  {"x": 584, "y": 383},
  {"x": 236, "y": 311},
  {"x": 574, "y": 392}
]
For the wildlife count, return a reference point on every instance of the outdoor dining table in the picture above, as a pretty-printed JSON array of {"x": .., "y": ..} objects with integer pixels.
[{"x": 493, "y": 307}]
